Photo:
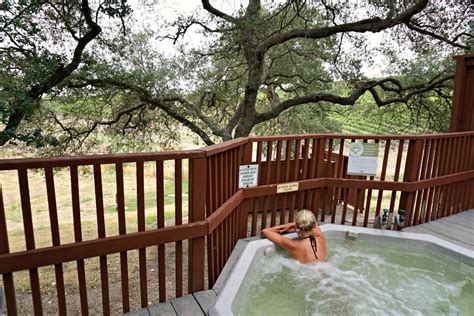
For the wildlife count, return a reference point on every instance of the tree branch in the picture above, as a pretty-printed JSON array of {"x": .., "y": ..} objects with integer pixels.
[
  {"x": 182, "y": 29},
  {"x": 354, "y": 96},
  {"x": 415, "y": 90},
  {"x": 35, "y": 92},
  {"x": 412, "y": 26},
  {"x": 208, "y": 7},
  {"x": 163, "y": 104},
  {"x": 66, "y": 23},
  {"x": 368, "y": 25},
  {"x": 75, "y": 134},
  {"x": 31, "y": 5}
]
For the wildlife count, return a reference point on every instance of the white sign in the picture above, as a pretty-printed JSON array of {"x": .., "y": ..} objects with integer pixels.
[
  {"x": 363, "y": 159},
  {"x": 248, "y": 176}
]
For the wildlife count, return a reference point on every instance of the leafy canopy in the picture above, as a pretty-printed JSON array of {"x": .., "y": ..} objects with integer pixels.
[{"x": 270, "y": 67}]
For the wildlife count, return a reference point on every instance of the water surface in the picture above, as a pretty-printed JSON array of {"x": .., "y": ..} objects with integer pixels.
[{"x": 359, "y": 278}]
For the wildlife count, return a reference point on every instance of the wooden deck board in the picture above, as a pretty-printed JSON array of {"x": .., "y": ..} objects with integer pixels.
[
  {"x": 466, "y": 224},
  {"x": 457, "y": 229},
  {"x": 451, "y": 232},
  {"x": 192, "y": 304},
  {"x": 162, "y": 309},
  {"x": 466, "y": 215},
  {"x": 452, "y": 225},
  {"x": 186, "y": 306},
  {"x": 431, "y": 232}
]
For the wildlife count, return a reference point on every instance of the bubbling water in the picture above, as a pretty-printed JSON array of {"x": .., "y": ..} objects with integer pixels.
[{"x": 359, "y": 278}]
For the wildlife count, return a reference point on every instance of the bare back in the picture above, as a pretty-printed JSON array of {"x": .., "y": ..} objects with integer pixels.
[{"x": 303, "y": 252}]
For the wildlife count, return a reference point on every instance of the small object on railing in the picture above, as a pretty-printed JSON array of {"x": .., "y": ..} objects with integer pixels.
[
  {"x": 396, "y": 221},
  {"x": 385, "y": 215},
  {"x": 393, "y": 222},
  {"x": 401, "y": 213},
  {"x": 389, "y": 220}
]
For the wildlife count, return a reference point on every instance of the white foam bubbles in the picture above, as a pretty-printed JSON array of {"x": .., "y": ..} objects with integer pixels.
[{"x": 358, "y": 279}]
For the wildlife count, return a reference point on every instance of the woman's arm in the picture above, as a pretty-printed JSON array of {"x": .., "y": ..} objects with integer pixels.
[{"x": 273, "y": 235}]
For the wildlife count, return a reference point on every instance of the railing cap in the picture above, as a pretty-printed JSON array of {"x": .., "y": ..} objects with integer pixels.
[
  {"x": 218, "y": 148},
  {"x": 359, "y": 136},
  {"x": 28, "y": 163}
]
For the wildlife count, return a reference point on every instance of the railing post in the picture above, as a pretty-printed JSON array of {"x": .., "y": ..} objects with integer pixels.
[
  {"x": 247, "y": 158},
  {"x": 244, "y": 209},
  {"x": 463, "y": 100},
  {"x": 471, "y": 194},
  {"x": 197, "y": 212},
  {"x": 10, "y": 297},
  {"x": 320, "y": 173},
  {"x": 411, "y": 173},
  {"x": 243, "y": 219}
]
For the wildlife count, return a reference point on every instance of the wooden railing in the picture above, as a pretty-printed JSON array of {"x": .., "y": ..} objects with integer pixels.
[
  {"x": 146, "y": 234},
  {"x": 428, "y": 176},
  {"x": 432, "y": 164}
]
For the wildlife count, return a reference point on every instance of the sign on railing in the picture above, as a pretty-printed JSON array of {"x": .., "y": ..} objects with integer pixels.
[
  {"x": 287, "y": 187},
  {"x": 363, "y": 159},
  {"x": 248, "y": 176}
]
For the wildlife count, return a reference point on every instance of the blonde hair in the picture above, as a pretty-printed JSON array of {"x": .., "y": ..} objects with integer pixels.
[{"x": 305, "y": 220}]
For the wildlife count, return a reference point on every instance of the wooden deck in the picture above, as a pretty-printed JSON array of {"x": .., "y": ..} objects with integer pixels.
[
  {"x": 457, "y": 229},
  {"x": 193, "y": 304}
]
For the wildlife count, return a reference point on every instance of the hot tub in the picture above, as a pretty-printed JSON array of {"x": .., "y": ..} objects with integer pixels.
[{"x": 376, "y": 271}]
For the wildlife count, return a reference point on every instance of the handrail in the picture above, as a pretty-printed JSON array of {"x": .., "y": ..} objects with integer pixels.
[
  {"x": 218, "y": 148},
  {"x": 27, "y": 163},
  {"x": 219, "y": 215},
  {"x": 34, "y": 258},
  {"x": 358, "y": 136}
]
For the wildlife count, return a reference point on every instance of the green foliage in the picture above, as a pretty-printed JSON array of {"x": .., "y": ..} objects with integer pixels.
[
  {"x": 307, "y": 119},
  {"x": 116, "y": 9},
  {"x": 228, "y": 77},
  {"x": 367, "y": 118},
  {"x": 146, "y": 132},
  {"x": 41, "y": 44}
]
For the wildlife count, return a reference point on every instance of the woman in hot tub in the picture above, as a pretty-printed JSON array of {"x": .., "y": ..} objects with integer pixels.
[{"x": 311, "y": 245}]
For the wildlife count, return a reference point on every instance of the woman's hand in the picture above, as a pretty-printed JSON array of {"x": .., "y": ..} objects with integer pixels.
[{"x": 285, "y": 228}]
